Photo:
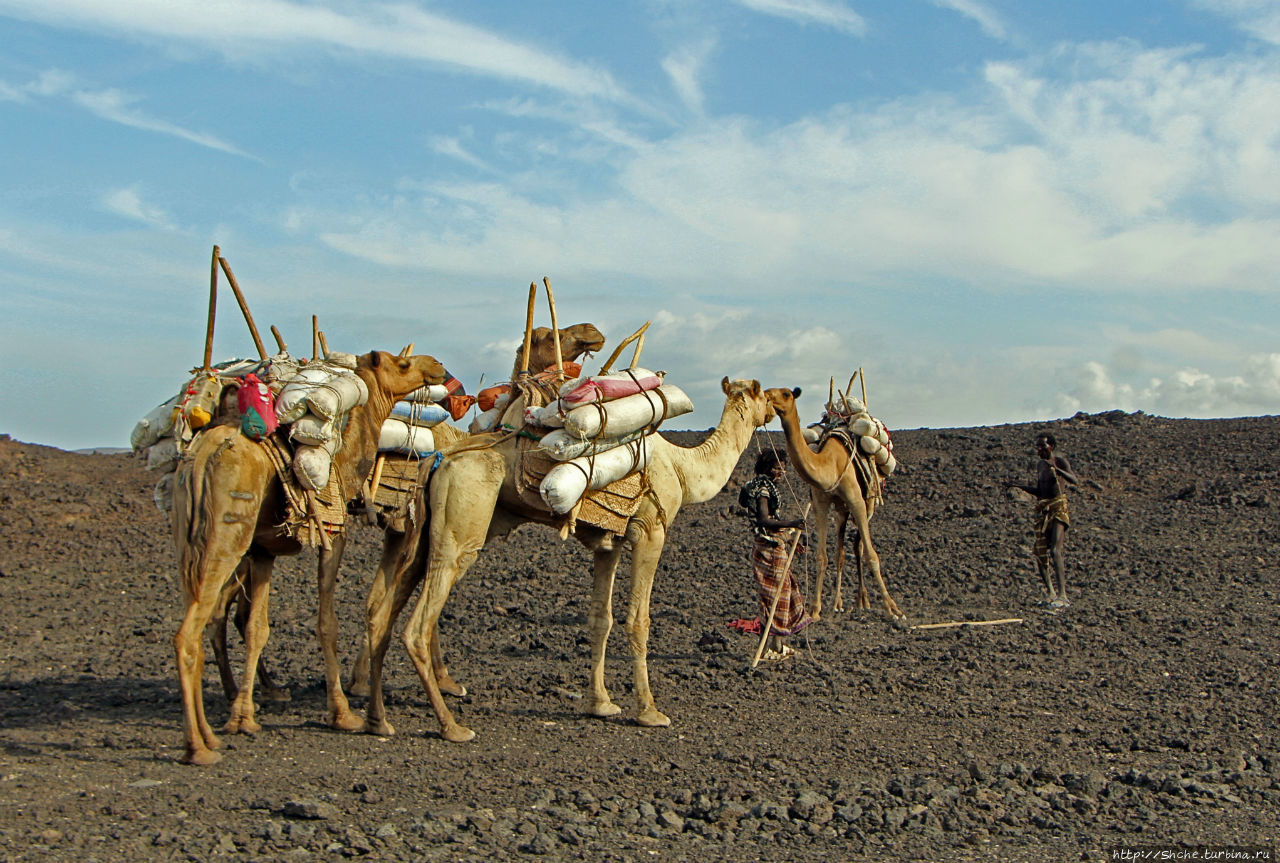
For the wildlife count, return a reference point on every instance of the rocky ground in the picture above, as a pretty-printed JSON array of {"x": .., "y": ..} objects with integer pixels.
[{"x": 1143, "y": 715}]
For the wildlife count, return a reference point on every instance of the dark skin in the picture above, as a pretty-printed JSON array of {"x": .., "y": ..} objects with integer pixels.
[
  {"x": 1051, "y": 472},
  {"x": 776, "y": 473}
]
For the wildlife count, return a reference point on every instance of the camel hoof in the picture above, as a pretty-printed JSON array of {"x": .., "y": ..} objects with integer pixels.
[
  {"x": 654, "y": 719},
  {"x": 244, "y": 725},
  {"x": 201, "y": 757},
  {"x": 381, "y": 728},
  {"x": 346, "y": 722},
  {"x": 457, "y": 733},
  {"x": 359, "y": 689},
  {"x": 451, "y": 687},
  {"x": 604, "y": 710},
  {"x": 817, "y": 615},
  {"x": 276, "y": 695}
]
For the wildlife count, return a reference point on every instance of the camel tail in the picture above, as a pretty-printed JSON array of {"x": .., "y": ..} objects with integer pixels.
[{"x": 193, "y": 517}]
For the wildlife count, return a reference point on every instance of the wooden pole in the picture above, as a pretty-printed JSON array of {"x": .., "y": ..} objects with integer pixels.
[
  {"x": 528, "y": 329},
  {"x": 244, "y": 308},
  {"x": 213, "y": 311},
  {"x": 831, "y": 392},
  {"x": 953, "y": 623},
  {"x": 315, "y": 337},
  {"x": 324, "y": 343},
  {"x": 370, "y": 509},
  {"x": 862, "y": 379},
  {"x": 622, "y": 346},
  {"x": 773, "y": 609},
  {"x": 555, "y": 328},
  {"x": 279, "y": 340}
]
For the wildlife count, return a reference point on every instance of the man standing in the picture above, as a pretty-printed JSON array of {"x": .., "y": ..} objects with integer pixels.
[{"x": 1052, "y": 519}]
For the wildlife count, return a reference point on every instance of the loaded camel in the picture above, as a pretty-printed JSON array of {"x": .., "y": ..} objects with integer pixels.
[
  {"x": 474, "y": 498},
  {"x": 401, "y": 549},
  {"x": 228, "y": 500},
  {"x": 834, "y": 481},
  {"x": 575, "y": 341}
]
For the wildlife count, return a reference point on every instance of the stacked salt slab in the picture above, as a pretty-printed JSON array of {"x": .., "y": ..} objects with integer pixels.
[
  {"x": 408, "y": 430},
  {"x": 601, "y": 426},
  {"x": 314, "y": 405}
]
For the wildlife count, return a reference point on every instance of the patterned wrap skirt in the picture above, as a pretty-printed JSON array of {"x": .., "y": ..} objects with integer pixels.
[
  {"x": 769, "y": 563},
  {"x": 1047, "y": 512}
]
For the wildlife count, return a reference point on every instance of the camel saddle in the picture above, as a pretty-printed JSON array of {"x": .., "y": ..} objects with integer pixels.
[
  {"x": 868, "y": 473},
  {"x": 304, "y": 524}
]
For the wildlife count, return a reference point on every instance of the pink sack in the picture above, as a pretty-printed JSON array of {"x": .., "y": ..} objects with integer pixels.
[
  {"x": 603, "y": 388},
  {"x": 257, "y": 414}
]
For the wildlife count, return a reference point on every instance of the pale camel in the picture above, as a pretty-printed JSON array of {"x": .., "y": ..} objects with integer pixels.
[
  {"x": 834, "y": 481},
  {"x": 402, "y": 550},
  {"x": 228, "y": 501},
  {"x": 474, "y": 498}
]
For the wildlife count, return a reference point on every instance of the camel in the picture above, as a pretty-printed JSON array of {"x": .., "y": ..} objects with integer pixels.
[
  {"x": 401, "y": 549},
  {"x": 575, "y": 341},
  {"x": 473, "y": 499},
  {"x": 228, "y": 499},
  {"x": 834, "y": 481}
]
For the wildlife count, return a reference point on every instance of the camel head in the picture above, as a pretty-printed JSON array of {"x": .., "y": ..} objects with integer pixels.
[
  {"x": 399, "y": 375},
  {"x": 575, "y": 341},
  {"x": 783, "y": 400},
  {"x": 754, "y": 407}
]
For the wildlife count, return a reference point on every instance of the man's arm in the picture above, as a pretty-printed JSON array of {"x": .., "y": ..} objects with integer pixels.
[{"x": 1063, "y": 469}]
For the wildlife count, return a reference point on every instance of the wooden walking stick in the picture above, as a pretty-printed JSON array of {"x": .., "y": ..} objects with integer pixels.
[
  {"x": 555, "y": 329},
  {"x": 773, "y": 609},
  {"x": 528, "y": 329},
  {"x": 244, "y": 307},
  {"x": 953, "y": 623},
  {"x": 284, "y": 349},
  {"x": 213, "y": 312}
]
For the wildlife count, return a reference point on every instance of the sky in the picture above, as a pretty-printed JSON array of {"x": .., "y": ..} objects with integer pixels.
[{"x": 1002, "y": 211}]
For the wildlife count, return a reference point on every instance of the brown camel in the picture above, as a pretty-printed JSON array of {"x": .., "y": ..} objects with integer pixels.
[
  {"x": 575, "y": 341},
  {"x": 402, "y": 550},
  {"x": 834, "y": 481},
  {"x": 473, "y": 498},
  {"x": 228, "y": 501}
]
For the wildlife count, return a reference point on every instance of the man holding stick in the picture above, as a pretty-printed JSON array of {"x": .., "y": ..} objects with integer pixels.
[
  {"x": 771, "y": 555},
  {"x": 1052, "y": 519}
]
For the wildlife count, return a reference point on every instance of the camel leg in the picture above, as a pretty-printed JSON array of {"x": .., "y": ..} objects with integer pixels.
[
  {"x": 378, "y": 608},
  {"x": 459, "y": 525},
  {"x": 842, "y": 523},
  {"x": 864, "y": 598},
  {"x": 821, "y": 507},
  {"x": 873, "y": 561},
  {"x": 256, "y": 632},
  {"x": 340, "y": 715},
  {"x": 189, "y": 649},
  {"x": 645, "y": 552},
  {"x": 599, "y": 624},
  {"x": 393, "y": 584},
  {"x": 218, "y": 631},
  {"x": 234, "y": 593}
]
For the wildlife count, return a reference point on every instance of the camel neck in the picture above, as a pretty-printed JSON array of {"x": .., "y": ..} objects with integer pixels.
[
  {"x": 799, "y": 452},
  {"x": 713, "y": 460}
]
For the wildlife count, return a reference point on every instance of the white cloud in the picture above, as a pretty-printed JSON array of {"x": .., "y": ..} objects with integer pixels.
[
  {"x": 1181, "y": 392},
  {"x": 128, "y": 203},
  {"x": 1258, "y": 17},
  {"x": 245, "y": 29},
  {"x": 825, "y": 13},
  {"x": 979, "y": 13},
  {"x": 118, "y": 107},
  {"x": 684, "y": 67}
]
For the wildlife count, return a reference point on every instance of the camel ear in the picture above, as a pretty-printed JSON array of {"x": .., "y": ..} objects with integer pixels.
[
  {"x": 724, "y": 384},
  {"x": 375, "y": 358},
  {"x": 406, "y": 350},
  {"x": 796, "y": 392}
]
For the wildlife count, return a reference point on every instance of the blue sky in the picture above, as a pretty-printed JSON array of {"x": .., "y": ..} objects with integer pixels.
[{"x": 1002, "y": 211}]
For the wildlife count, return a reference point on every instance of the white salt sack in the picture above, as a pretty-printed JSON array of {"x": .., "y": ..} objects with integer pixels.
[
  {"x": 422, "y": 414},
  {"x": 156, "y": 424},
  {"x": 563, "y": 445},
  {"x": 400, "y": 437},
  {"x": 564, "y": 484},
  {"x": 627, "y": 414},
  {"x": 337, "y": 395}
]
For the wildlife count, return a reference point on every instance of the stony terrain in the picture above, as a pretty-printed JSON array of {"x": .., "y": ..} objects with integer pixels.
[{"x": 1145, "y": 714}]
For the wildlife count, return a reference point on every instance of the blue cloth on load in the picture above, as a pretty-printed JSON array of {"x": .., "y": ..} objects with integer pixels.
[{"x": 419, "y": 413}]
